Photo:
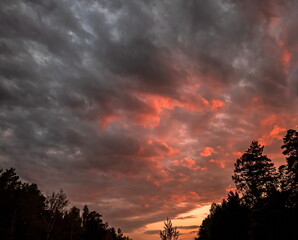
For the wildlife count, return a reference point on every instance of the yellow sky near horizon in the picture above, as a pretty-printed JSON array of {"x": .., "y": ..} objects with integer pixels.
[{"x": 191, "y": 218}]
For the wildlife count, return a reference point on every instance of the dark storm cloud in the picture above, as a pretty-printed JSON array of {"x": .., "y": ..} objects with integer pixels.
[{"x": 124, "y": 103}]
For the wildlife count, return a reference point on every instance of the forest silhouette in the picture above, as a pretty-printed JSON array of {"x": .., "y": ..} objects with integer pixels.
[
  {"x": 265, "y": 203},
  {"x": 264, "y": 206},
  {"x": 26, "y": 214}
]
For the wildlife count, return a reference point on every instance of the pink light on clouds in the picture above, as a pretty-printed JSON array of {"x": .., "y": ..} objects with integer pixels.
[
  {"x": 207, "y": 151},
  {"x": 141, "y": 109}
]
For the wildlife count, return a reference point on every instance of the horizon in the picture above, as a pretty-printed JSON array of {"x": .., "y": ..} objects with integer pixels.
[{"x": 139, "y": 109}]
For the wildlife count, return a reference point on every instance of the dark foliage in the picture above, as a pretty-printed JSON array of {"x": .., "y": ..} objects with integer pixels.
[
  {"x": 228, "y": 220},
  {"x": 169, "y": 232},
  {"x": 254, "y": 176},
  {"x": 289, "y": 173},
  {"x": 291, "y": 149},
  {"x": 26, "y": 214},
  {"x": 266, "y": 207}
]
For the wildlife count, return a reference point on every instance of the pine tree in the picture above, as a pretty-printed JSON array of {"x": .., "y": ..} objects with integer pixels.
[
  {"x": 254, "y": 175},
  {"x": 169, "y": 232},
  {"x": 228, "y": 220},
  {"x": 289, "y": 173},
  {"x": 291, "y": 150}
]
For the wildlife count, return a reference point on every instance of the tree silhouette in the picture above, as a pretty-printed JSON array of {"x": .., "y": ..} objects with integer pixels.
[
  {"x": 169, "y": 232},
  {"x": 254, "y": 175},
  {"x": 289, "y": 173},
  {"x": 25, "y": 214},
  {"x": 21, "y": 208},
  {"x": 55, "y": 205},
  {"x": 228, "y": 220},
  {"x": 267, "y": 208},
  {"x": 291, "y": 149},
  {"x": 72, "y": 224},
  {"x": 94, "y": 226}
]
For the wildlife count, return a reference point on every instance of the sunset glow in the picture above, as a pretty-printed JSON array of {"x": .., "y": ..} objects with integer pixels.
[{"x": 141, "y": 108}]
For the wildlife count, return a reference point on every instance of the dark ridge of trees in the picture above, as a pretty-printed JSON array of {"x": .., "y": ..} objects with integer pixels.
[
  {"x": 228, "y": 219},
  {"x": 265, "y": 204},
  {"x": 26, "y": 214}
]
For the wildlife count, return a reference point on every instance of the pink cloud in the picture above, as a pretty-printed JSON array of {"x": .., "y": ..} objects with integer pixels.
[
  {"x": 220, "y": 163},
  {"x": 207, "y": 151}
]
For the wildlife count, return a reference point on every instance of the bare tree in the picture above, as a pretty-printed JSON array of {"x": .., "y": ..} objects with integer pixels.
[{"x": 55, "y": 203}]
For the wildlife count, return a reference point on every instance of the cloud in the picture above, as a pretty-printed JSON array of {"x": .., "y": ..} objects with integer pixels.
[
  {"x": 186, "y": 217},
  {"x": 140, "y": 108},
  {"x": 153, "y": 232},
  {"x": 189, "y": 227},
  {"x": 207, "y": 151}
]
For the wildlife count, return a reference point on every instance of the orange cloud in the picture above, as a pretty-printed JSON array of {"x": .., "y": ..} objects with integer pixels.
[
  {"x": 155, "y": 107},
  {"x": 285, "y": 56},
  {"x": 194, "y": 195},
  {"x": 207, "y": 151},
  {"x": 217, "y": 104},
  {"x": 188, "y": 163},
  {"x": 179, "y": 198},
  {"x": 256, "y": 99},
  {"x": 219, "y": 163},
  {"x": 271, "y": 119},
  {"x": 204, "y": 100},
  {"x": 230, "y": 188},
  {"x": 237, "y": 154},
  {"x": 276, "y": 131},
  {"x": 157, "y": 102},
  {"x": 162, "y": 148},
  {"x": 147, "y": 120},
  {"x": 153, "y": 181}
]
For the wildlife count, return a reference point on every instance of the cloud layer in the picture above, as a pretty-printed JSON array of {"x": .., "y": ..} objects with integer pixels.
[{"x": 140, "y": 108}]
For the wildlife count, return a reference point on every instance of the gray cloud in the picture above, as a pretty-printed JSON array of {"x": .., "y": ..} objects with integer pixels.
[
  {"x": 110, "y": 99},
  {"x": 153, "y": 232},
  {"x": 188, "y": 227}
]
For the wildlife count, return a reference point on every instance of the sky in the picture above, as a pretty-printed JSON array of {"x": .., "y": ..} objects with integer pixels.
[{"x": 140, "y": 108}]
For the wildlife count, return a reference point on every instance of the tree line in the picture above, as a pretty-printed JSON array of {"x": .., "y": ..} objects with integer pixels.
[
  {"x": 265, "y": 203},
  {"x": 27, "y": 214},
  {"x": 264, "y": 206}
]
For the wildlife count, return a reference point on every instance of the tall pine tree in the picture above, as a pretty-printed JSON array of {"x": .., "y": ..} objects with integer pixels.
[
  {"x": 289, "y": 173},
  {"x": 254, "y": 175}
]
